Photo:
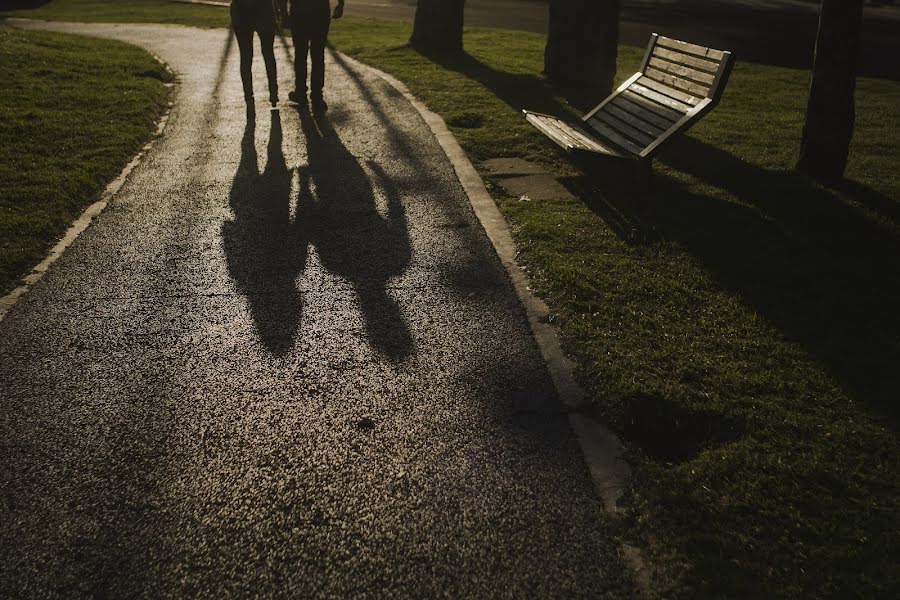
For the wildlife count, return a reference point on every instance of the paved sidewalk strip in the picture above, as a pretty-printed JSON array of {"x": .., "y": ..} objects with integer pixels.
[{"x": 285, "y": 361}]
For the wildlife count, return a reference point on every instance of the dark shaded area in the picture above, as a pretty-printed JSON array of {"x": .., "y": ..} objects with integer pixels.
[
  {"x": 776, "y": 33},
  {"x": 438, "y": 25},
  {"x": 818, "y": 268},
  {"x": 781, "y": 35},
  {"x": 582, "y": 45},
  {"x": 883, "y": 206},
  {"x": 337, "y": 209},
  {"x": 512, "y": 88},
  {"x": 402, "y": 143},
  {"x": 831, "y": 109},
  {"x": 266, "y": 252},
  {"x": 668, "y": 432},
  {"x": 610, "y": 190},
  {"x": 22, "y": 4}
]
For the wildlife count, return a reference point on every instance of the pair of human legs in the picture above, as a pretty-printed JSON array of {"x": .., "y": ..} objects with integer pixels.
[
  {"x": 310, "y": 35},
  {"x": 245, "y": 45}
]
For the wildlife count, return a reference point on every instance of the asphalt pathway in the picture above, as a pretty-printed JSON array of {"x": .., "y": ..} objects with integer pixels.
[{"x": 286, "y": 362}]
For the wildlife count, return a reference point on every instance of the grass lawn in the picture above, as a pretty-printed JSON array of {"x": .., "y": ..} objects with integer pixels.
[
  {"x": 741, "y": 333},
  {"x": 120, "y": 11},
  {"x": 74, "y": 111}
]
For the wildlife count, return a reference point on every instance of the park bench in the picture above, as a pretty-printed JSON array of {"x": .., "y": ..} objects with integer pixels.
[{"x": 677, "y": 84}]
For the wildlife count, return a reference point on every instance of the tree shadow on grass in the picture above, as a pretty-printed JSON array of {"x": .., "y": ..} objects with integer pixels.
[
  {"x": 878, "y": 203},
  {"x": 819, "y": 269},
  {"x": 518, "y": 90},
  {"x": 23, "y": 4}
]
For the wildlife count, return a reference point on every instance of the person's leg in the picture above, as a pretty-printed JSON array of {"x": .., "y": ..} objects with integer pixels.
[
  {"x": 267, "y": 40},
  {"x": 317, "y": 55},
  {"x": 300, "y": 37},
  {"x": 245, "y": 45}
]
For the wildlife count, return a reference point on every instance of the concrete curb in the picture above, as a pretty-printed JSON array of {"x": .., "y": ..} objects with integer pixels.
[
  {"x": 84, "y": 219},
  {"x": 603, "y": 452}
]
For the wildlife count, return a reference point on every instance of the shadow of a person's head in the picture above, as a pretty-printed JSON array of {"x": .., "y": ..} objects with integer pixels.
[{"x": 355, "y": 218}]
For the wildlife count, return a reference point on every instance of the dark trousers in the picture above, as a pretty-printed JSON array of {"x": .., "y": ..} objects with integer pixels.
[
  {"x": 248, "y": 16},
  {"x": 309, "y": 31},
  {"x": 245, "y": 45}
]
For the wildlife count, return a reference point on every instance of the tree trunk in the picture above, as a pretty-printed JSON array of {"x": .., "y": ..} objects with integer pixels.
[
  {"x": 830, "y": 111},
  {"x": 438, "y": 26},
  {"x": 582, "y": 45}
]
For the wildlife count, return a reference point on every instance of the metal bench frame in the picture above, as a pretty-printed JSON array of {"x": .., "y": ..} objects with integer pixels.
[{"x": 678, "y": 83}]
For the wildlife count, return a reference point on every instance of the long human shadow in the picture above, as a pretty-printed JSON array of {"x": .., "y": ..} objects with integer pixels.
[
  {"x": 824, "y": 272},
  {"x": 338, "y": 210},
  {"x": 264, "y": 250}
]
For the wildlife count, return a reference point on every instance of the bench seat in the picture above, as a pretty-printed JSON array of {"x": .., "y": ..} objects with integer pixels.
[{"x": 678, "y": 83}]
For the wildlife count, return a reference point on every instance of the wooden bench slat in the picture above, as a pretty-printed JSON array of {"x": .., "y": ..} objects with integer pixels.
[
  {"x": 543, "y": 125},
  {"x": 586, "y": 141},
  {"x": 679, "y": 70},
  {"x": 635, "y": 121},
  {"x": 683, "y": 98},
  {"x": 689, "y": 48},
  {"x": 683, "y": 124},
  {"x": 552, "y": 125},
  {"x": 680, "y": 58},
  {"x": 677, "y": 83},
  {"x": 566, "y": 135},
  {"x": 633, "y": 104},
  {"x": 623, "y": 127},
  {"x": 608, "y": 133},
  {"x": 590, "y": 142},
  {"x": 651, "y": 94},
  {"x": 662, "y": 116}
]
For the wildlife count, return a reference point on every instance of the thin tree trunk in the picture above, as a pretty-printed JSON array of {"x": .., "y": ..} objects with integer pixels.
[
  {"x": 830, "y": 112},
  {"x": 582, "y": 46},
  {"x": 438, "y": 26}
]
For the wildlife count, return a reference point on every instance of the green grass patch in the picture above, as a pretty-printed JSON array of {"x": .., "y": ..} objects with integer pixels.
[
  {"x": 121, "y": 11},
  {"x": 741, "y": 332},
  {"x": 75, "y": 109}
]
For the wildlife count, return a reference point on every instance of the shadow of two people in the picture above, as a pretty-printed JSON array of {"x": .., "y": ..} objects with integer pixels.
[{"x": 337, "y": 212}]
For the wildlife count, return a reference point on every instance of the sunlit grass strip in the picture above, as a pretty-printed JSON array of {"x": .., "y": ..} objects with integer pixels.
[
  {"x": 127, "y": 11},
  {"x": 75, "y": 110}
]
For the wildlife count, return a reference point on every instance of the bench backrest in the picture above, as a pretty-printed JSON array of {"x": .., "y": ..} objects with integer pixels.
[{"x": 678, "y": 83}]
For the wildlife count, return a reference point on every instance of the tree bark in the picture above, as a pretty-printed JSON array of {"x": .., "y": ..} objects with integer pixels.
[
  {"x": 582, "y": 46},
  {"x": 830, "y": 111},
  {"x": 438, "y": 26}
]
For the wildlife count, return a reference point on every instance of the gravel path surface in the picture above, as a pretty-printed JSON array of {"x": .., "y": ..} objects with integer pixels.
[{"x": 286, "y": 362}]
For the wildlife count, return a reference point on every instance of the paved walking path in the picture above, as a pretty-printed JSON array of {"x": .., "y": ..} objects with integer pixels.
[{"x": 285, "y": 361}]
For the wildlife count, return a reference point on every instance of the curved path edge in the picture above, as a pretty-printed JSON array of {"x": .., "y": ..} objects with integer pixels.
[
  {"x": 603, "y": 451},
  {"x": 83, "y": 220}
]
